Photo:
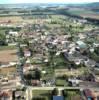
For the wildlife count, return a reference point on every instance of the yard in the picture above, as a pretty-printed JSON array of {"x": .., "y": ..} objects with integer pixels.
[
  {"x": 72, "y": 95},
  {"x": 73, "y": 72},
  {"x": 41, "y": 94},
  {"x": 61, "y": 82}
]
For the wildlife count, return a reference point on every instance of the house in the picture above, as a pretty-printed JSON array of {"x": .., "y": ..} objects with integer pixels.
[
  {"x": 81, "y": 44},
  {"x": 89, "y": 62},
  {"x": 91, "y": 49},
  {"x": 96, "y": 44},
  {"x": 77, "y": 61},
  {"x": 88, "y": 94},
  {"x": 13, "y": 33},
  {"x": 5, "y": 95},
  {"x": 27, "y": 53},
  {"x": 81, "y": 36},
  {"x": 96, "y": 67},
  {"x": 18, "y": 94},
  {"x": 35, "y": 82},
  {"x": 82, "y": 21},
  {"x": 58, "y": 98},
  {"x": 73, "y": 81}
]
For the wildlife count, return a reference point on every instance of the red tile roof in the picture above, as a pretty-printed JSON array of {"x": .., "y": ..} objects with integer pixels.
[
  {"x": 88, "y": 93},
  {"x": 4, "y": 94}
]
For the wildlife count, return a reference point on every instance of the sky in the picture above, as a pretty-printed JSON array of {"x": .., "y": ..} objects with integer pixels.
[{"x": 46, "y": 1}]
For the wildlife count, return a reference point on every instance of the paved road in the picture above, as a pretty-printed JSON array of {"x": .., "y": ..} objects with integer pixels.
[{"x": 89, "y": 85}]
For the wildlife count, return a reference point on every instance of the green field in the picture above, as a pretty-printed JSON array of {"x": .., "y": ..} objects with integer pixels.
[
  {"x": 80, "y": 11},
  {"x": 7, "y": 47},
  {"x": 84, "y": 13},
  {"x": 44, "y": 94},
  {"x": 72, "y": 95}
]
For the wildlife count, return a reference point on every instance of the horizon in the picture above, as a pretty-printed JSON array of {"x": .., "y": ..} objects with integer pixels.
[{"x": 47, "y": 1}]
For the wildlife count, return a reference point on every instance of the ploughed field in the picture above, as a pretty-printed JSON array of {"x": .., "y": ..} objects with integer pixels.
[{"x": 7, "y": 56}]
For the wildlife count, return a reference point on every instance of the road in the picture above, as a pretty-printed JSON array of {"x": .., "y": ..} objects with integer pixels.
[
  {"x": 87, "y": 84},
  {"x": 84, "y": 84},
  {"x": 30, "y": 89}
]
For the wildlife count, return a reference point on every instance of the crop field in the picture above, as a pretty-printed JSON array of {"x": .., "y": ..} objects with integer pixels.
[
  {"x": 7, "y": 70},
  {"x": 8, "y": 56},
  {"x": 84, "y": 13},
  {"x": 15, "y": 19}
]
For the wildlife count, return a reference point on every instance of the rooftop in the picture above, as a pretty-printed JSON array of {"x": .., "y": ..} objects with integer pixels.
[{"x": 58, "y": 98}]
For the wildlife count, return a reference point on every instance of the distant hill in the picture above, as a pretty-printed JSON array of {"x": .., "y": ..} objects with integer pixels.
[{"x": 93, "y": 5}]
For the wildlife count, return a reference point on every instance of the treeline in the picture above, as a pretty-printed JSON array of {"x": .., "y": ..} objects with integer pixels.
[
  {"x": 41, "y": 10},
  {"x": 65, "y": 12},
  {"x": 96, "y": 21}
]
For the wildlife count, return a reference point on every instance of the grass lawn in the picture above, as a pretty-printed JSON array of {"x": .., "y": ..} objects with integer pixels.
[
  {"x": 42, "y": 93},
  {"x": 7, "y": 47},
  {"x": 72, "y": 95},
  {"x": 61, "y": 82},
  {"x": 61, "y": 62},
  {"x": 49, "y": 74},
  {"x": 74, "y": 72},
  {"x": 80, "y": 11}
]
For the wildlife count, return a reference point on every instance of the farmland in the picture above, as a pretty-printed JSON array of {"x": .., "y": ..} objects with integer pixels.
[
  {"x": 84, "y": 13},
  {"x": 7, "y": 70},
  {"x": 8, "y": 56}
]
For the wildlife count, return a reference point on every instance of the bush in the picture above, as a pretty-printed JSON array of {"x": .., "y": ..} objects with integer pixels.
[{"x": 55, "y": 92}]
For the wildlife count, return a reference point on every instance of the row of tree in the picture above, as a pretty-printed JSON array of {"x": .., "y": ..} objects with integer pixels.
[{"x": 65, "y": 12}]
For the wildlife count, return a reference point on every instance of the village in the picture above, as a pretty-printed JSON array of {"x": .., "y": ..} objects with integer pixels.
[{"x": 46, "y": 56}]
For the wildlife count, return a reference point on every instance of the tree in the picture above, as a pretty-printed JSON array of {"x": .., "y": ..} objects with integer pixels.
[
  {"x": 97, "y": 50},
  {"x": 37, "y": 74},
  {"x": 2, "y": 39},
  {"x": 26, "y": 42},
  {"x": 55, "y": 92},
  {"x": 70, "y": 28},
  {"x": 21, "y": 53},
  {"x": 24, "y": 88},
  {"x": 28, "y": 76},
  {"x": 64, "y": 93}
]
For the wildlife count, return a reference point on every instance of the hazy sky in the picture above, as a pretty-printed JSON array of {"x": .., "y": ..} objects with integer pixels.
[{"x": 46, "y": 1}]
